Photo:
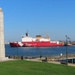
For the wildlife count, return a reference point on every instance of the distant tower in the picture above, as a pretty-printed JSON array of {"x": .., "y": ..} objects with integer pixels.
[{"x": 2, "y": 47}]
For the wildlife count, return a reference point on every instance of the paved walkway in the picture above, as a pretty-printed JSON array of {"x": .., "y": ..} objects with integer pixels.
[{"x": 54, "y": 62}]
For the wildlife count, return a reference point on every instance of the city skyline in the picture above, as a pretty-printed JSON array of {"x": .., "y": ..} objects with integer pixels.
[{"x": 55, "y": 17}]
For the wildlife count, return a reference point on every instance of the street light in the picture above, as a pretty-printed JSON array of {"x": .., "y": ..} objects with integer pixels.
[
  {"x": 17, "y": 49},
  {"x": 66, "y": 50}
]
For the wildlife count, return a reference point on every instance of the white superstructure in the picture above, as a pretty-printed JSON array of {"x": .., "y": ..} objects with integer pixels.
[{"x": 30, "y": 39}]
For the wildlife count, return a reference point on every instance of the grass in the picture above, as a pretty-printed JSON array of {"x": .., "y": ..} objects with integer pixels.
[{"x": 20, "y": 67}]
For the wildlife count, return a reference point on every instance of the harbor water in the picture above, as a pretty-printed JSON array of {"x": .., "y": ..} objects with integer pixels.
[{"x": 38, "y": 51}]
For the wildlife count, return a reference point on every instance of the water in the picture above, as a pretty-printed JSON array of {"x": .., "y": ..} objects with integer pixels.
[{"x": 34, "y": 51}]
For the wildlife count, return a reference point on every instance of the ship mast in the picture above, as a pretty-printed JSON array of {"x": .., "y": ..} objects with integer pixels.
[
  {"x": 27, "y": 33},
  {"x": 47, "y": 35}
]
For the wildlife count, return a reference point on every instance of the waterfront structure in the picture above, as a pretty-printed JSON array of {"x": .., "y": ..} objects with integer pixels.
[{"x": 2, "y": 47}]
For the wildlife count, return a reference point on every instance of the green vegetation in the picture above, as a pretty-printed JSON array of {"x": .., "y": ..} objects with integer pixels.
[{"x": 22, "y": 67}]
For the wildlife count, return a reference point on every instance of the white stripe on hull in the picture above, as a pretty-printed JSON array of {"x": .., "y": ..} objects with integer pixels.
[{"x": 20, "y": 43}]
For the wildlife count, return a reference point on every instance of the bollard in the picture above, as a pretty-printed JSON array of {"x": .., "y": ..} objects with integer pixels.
[{"x": 21, "y": 57}]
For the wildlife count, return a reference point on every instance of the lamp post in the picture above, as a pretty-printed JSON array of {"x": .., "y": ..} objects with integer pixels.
[
  {"x": 66, "y": 50},
  {"x": 17, "y": 49}
]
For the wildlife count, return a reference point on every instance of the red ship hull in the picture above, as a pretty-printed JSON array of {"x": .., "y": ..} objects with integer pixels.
[{"x": 34, "y": 44}]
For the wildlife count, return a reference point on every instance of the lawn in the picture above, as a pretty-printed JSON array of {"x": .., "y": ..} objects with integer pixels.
[{"x": 22, "y": 67}]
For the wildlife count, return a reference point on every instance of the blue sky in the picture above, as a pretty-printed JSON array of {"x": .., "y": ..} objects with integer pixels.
[{"x": 55, "y": 17}]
